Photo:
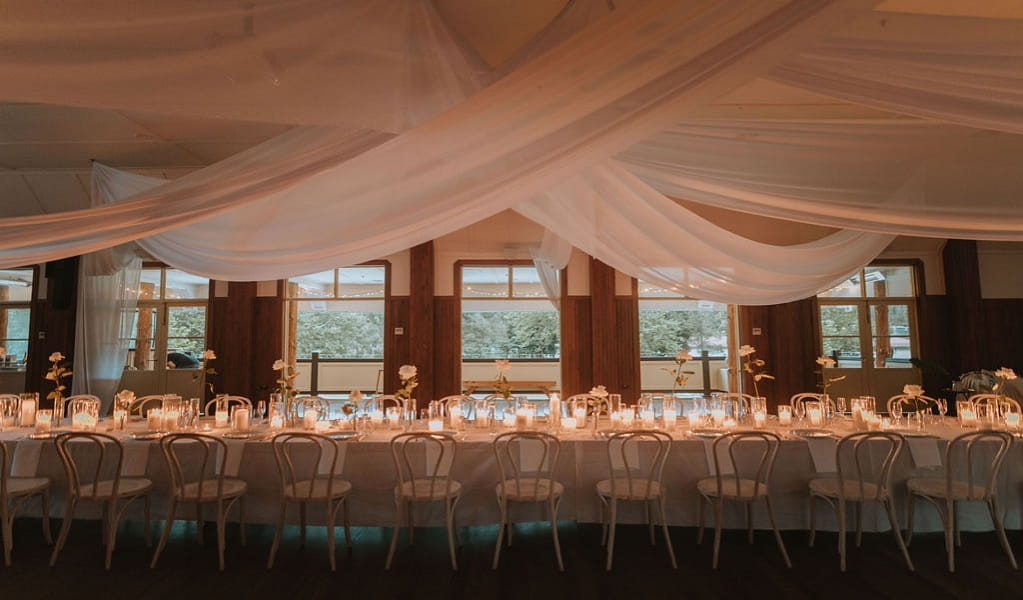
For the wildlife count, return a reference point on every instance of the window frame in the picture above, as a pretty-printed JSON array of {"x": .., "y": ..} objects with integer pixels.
[
  {"x": 6, "y": 305},
  {"x": 163, "y": 305}
]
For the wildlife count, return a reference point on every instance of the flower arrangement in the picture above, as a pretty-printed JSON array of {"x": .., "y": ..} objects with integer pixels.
[
  {"x": 206, "y": 369},
  {"x": 826, "y": 362},
  {"x": 598, "y": 403},
  {"x": 501, "y": 384},
  {"x": 679, "y": 377},
  {"x": 285, "y": 378},
  {"x": 408, "y": 376},
  {"x": 753, "y": 366},
  {"x": 915, "y": 393},
  {"x": 56, "y": 373},
  {"x": 1004, "y": 375}
]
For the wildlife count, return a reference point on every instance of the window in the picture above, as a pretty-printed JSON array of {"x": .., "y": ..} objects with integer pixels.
[
  {"x": 338, "y": 314},
  {"x": 15, "y": 310},
  {"x": 169, "y": 330},
  {"x": 867, "y": 321},
  {"x": 669, "y": 322},
  {"x": 506, "y": 314}
]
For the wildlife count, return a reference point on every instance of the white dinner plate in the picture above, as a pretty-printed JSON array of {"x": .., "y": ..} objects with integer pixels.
[
  {"x": 813, "y": 433},
  {"x": 707, "y": 433}
]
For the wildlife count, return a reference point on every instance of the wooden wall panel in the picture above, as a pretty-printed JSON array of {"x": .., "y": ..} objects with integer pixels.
[
  {"x": 576, "y": 346},
  {"x": 231, "y": 336},
  {"x": 54, "y": 318},
  {"x": 421, "y": 321},
  {"x": 935, "y": 345},
  {"x": 965, "y": 331},
  {"x": 624, "y": 349},
  {"x": 396, "y": 347},
  {"x": 603, "y": 328},
  {"x": 268, "y": 333},
  {"x": 787, "y": 343},
  {"x": 447, "y": 347}
]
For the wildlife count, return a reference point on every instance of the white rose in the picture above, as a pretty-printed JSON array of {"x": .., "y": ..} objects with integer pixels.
[
  {"x": 1004, "y": 373},
  {"x": 912, "y": 390},
  {"x": 826, "y": 361},
  {"x": 208, "y": 355},
  {"x": 56, "y": 357},
  {"x": 355, "y": 396},
  {"x": 599, "y": 391},
  {"x": 682, "y": 356},
  {"x": 502, "y": 365},
  {"x": 746, "y": 350},
  {"x": 279, "y": 365},
  {"x": 407, "y": 372}
]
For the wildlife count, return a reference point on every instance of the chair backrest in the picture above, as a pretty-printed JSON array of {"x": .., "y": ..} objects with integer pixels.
[
  {"x": 595, "y": 405},
  {"x": 853, "y": 458},
  {"x": 637, "y": 476},
  {"x": 436, "y": 469},
  {"x": 69, "y": 399},
  {"x": 138, "y": 406},
  {"x": 236, "y": 400},
  {"x": 465, "y": 403},
  {"x": 322, "y": 407},
  {"x": 3, "y": 472},
  {"x": 759, "y": 448},
  {"x": 741, "y": 400},
  {"x": 1000, "y": 404},
  {"x": 521, "y": 469},
  {"x": 962, "y": 451},
  {"x": 305, "y": 456},
  {"x": 386, "y": 401},
  {"x": 194, "y": 458},
  {"x": 901, "y": 401},
  {"x": 97, "y": 457},
  {"x": 797, "y": 400}
]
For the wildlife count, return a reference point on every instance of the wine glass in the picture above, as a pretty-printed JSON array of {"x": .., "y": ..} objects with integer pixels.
[
  {"x": 799, "y": 410},
  {"x": 261, "y": 410},
  {"x": 897, "y": 411}
]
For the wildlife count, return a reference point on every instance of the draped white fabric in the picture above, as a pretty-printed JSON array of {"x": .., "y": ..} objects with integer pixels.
[
  {"x": 379, "y": 64},
  {"x": 898, "y": 176},
  {"x": 549, "y": 259},
  {"x": 107, "y": 298},
  {"x": 625, "y": 223}
]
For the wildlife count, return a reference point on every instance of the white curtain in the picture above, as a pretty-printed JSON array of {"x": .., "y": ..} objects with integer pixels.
[
  {"x": 108, "y": 294},
  {"x": 380, "y": 64},
  {"x": 549, "y": 259},
  {"x": 619, "y": 220}
]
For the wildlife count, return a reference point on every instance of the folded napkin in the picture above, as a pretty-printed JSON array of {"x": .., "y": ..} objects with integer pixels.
[
  {"x": 26, "y": 458},
  {"x": 822, "y": 451},
  {"x": 925, "y": 452}
]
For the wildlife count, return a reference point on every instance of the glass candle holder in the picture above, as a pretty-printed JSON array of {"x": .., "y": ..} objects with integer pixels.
[
  {"x": 241, "y": 418},
  {"x": 84, "y": 414},
  {"x": 784, "y": 415},
  {"x": 29, "y": 405},
  {"x": 814, "y": 413},
  {"x": 44, "y": 420}
]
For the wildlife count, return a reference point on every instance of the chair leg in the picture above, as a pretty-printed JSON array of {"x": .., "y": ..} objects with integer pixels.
[
  {"x": 301, "y": 521},
  {"x": 221, "y": 526},
  {"x": 411, "y": 524},
  {"x": 950, "y": 547},
  {"x": 45, "y": 499},
  {"x": 997, "y": 519},
  {"x": 777, "y": 534},
  {"x": 910, "y": 509},
  {"x": 841, "y": 535},
  {"x": 6, "y": 525},
  {"x": 718, "y": 510},
  {"x": 667, "y": 535},
  {"x": 813, "y": 521},
  {"x": 147, "y": 505},
  {"x": 449, "y": 506},
  {"x": 277, "y": 534},
  {"x": 398, "y": 504},
  {"x": 699, "y": 519},
  {"x": 613, "y": 519},
  {"x": 199, "y": 524},
  {"x": 894, "y": 522},
  {"x": 955, "y": 521},
  {"x": 111, "y": 527},
  {"x": 166, "y": 532},
  {"x": 749, "y": 522},
  {"x": 859, "y": 523},
  {"x": 603, "y": 520},
  {"x": 241, "y": 519},
  {"x": 65, "y": 527},
  {"x": 330, "y": 537},
  {"x": 649, "y": 522},
  {"x": 552, "y": 508},
  {"x": 348, "y": 524},
  {"x": 503, "y": 510}
]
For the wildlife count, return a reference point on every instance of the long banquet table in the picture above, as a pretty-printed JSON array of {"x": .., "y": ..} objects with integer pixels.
[{"x": 369, "y": 466}]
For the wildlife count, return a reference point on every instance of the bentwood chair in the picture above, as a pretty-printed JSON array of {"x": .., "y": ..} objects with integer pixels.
[
  {"x": 231, "y": 400},
  {"x": 981, "y": 485},
  {"x": 309, "y": 465},
  {"x": 465, "y": 404},
  {"x": 797, "y": 400},
  {"x": 423, "y": 481},
  {"x": 101, "y": 482},
  {"x": 999, "y": 404},
  {"x": 20, "y": 490},
  {"x": 61, "y": 412},
  {"x": 746, "y": 479},
  {"x": 322, "y": 407},
  {"x": 897, "y": 404},
  {"x": 527, "y": 478},
  {"x": 196, "y": 464},
  {"x": 630, "y": 482},
  {"x": 140, "y": 405},
  {"x": 866, "y": 482},
  {"x": 742, "y": 401}
]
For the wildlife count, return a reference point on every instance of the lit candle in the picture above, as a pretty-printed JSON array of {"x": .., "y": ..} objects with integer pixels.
[
  {"x": 568, "y": 423},
  {"x": 120, "y": 417},
  {"x": 627, "y": 417},
  {"x": 968, "y": 417},
  {"x": 83, "y": 422},
  {"x": 718, "y": 416},
  {"x": 554, "y": 411},
  {"x": 377, "y": 417},
  {"x": 154, "y": 419},
  {"x": 44, "y": 420},
  {"x": 171, "y": 420},
  {"x": 393, "y": 416},
  {"x": 322, "y": 426},
  {"x": 276, "y": 422},
  {"x": 28, "y": 412},
  {"x": 221, "y": 418},
  {"x": 436, "y": 425},
  {"x": 309, "y": 418},
  {"x": 509, "y": 419},
  {"x": 522, "y": 418},
  {"x": 455, "y": 413},
  {"x": 784, "y": 414},
  {"x": 728, "y": 422},
  {"x": 241, "y": 419},
  {"x": 1012, "y": 420},
  {"x": 670, "y": 416},
  {"x": 815, "y": 416},
  {"x": 648, "y": 418},
  {"x": 760, "y": 420},
  {"x": 580, "y": 417}
]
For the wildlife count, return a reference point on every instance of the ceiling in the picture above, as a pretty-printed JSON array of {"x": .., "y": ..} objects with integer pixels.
[{"x": 45, "y": 150}]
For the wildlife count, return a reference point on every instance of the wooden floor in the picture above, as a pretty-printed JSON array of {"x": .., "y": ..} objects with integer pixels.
[{"x": 188, "y": 570}]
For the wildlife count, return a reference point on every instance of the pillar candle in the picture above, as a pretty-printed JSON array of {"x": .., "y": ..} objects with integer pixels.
[
  {"x": 759, "y": 420},
  {"x": 44, "y": 420},
  {"x": 171, "y": 420},
  {"x": 580, "y": 417},
  {"x": 276, "y": 422},
  {"x": 120, "y": 417},
  {"x": 154, "y": 419},
  {"x": 28, "y": 413},
  {"x": 436, "y": 425},
  {"x": 670, "y": 416},
  {"x": 648, "y": 418},
  {"x": 222, "y": 418},
  {"x": 815, "y": 416},
  {"x": 309, "y": 418},
  {"x": 568, "y": 423},
  {"x": 241, "y": 419},
  {"x": 785, "y": 415}
]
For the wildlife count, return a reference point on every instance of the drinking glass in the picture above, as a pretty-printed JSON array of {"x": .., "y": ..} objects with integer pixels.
[{"x": 261, "y": 410}]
